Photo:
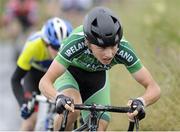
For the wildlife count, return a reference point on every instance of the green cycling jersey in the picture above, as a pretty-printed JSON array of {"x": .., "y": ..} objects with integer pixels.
[{"x": 75, "y": 52}]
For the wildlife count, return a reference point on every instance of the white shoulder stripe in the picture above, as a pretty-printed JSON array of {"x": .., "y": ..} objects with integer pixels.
[
  {"x": 133, "y": 64},
  {"x": 70, "y": 42},
  {"x": 64, "y": 58},
  {"x": 79, "y": 33}
]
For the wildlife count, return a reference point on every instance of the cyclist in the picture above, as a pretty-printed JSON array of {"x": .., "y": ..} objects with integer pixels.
[
  {"x": 33, "y": 62},
  {"x": 20, "y": 17},
  {"x": 80, "y": 69},
  {"x": 25, "y": 11}
]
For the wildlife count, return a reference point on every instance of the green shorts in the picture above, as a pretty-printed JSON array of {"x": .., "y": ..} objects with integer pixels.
[{"x": 94, "y": 87}]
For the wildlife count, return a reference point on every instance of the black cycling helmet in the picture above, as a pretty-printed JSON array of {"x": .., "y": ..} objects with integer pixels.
[{"x": 102, "y": 28}]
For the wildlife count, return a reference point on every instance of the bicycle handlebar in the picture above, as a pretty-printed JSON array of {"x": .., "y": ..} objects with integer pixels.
[
  {"x": 102, "y": 108},
  {"x": 93, "y": 107},
  {"x": 41, "y": 98}
]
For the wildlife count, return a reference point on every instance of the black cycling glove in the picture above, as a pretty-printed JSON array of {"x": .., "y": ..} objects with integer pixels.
[
  {"x": 138, "y": 105},
  {"x": 61, "y": 101}
]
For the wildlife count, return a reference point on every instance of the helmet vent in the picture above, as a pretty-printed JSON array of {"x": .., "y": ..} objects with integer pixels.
[
  {"x": 118, "y": 31},
  {"x": 95, "y": 34},
  {"x": 114, "y": 19},
  {"x": 94, "y": 23},
  {"x": 61, "y": 32},
  {"x": 49, "y": 32},
  {"x": 55, "y": 34},
  {"x": 109, "y": 34},
  {"x": 58, "y": 21}
]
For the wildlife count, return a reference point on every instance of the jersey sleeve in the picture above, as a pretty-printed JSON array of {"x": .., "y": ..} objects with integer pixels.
[
  {"x": 71, "y": 47},
  {"x": 128, "y": 57},
  {"x": 62, "y": 60},
  {"x": 135, "y": 67}
]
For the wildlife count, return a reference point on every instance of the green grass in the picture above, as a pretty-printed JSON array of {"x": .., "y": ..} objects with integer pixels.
[{"x": 153, "y": 29}]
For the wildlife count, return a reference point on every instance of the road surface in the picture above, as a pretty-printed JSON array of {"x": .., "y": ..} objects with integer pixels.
[{"x": 9, "y": 114}]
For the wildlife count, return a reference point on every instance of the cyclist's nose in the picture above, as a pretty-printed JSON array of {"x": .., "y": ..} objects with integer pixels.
[{"x": 108, "y": 53}]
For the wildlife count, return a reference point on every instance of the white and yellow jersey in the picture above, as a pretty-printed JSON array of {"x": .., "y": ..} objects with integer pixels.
[{"x": 35, "y": 54}]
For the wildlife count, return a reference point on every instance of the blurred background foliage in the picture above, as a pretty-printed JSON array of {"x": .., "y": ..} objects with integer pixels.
[
  {"x": 152, "y": 26},
  {"x": 153, "y": 29}
]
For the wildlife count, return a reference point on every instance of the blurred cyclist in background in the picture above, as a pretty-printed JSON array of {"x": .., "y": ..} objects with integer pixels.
[
  {"x": 74, "y": 8},
  {"x": 25, "y": 11},
  {"x": 37, "y": 55},
  {"x": 75, "y": 5},
  {"x": 19, "y": 19}
]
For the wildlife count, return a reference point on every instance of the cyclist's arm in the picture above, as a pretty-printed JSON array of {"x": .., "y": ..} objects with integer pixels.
[
  {"x": 16, "y": 84},
  {"x": 152, "y": 92},
  {"x": 46, "y": 83}
]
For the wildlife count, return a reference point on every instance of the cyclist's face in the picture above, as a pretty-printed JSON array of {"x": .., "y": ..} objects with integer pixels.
[
  {"x": 104, "y": 55},
  {"x": 53, "y": 52}
]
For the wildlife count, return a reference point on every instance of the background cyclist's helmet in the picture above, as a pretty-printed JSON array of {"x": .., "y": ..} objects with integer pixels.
[
  {"x": 55, "y": 30},
  {"x": 101, "y": 27},
  {"x": 69, "y": 27}
]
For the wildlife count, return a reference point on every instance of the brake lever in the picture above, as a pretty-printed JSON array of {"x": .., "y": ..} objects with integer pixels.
[{"x": 136, "y": 122}]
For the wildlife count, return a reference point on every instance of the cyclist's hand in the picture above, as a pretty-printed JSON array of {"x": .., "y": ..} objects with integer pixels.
[
  {"x": 138, "y": 109},
  {"x": 25, "y": 111},
  {"x": 63, "y": 102}
]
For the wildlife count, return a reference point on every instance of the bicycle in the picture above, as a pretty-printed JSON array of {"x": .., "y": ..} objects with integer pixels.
[
  {"x": 93, "y": 120},
  {"x": 48, "y": 126}
]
